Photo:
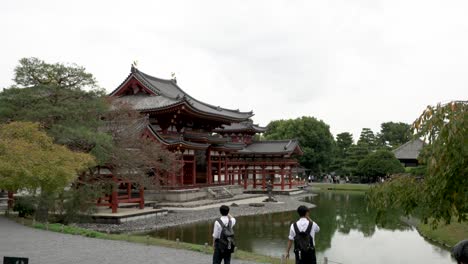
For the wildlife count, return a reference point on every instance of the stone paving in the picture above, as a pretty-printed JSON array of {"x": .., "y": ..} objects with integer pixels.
[{"x": 46, "y": 247}]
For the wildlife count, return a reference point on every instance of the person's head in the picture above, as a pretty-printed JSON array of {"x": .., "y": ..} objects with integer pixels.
[
  {"x": 303, "y": 211},
  {"x": 460, "y": 252},
  {"x": 224, "y": 210}
]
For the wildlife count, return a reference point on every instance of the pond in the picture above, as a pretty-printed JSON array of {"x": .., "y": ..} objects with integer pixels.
[{"x": 348, "y": 233}]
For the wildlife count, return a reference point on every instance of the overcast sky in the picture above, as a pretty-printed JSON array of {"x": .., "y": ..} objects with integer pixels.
[{"x": 351, "y": 63}]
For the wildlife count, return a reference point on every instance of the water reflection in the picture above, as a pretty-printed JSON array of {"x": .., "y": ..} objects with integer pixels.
[{"x": 348, "y": 233}]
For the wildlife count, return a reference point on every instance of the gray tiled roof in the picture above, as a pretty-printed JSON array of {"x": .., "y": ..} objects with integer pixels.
[
  {"x": 175, "y": 141},
  {"x": 272, "y": 147},
  {"x": 142, "y": 102},
  {"x": 409, "y": 150},
  {"x": 242, "y": 126},
  {"x": 169, "y": 90}
]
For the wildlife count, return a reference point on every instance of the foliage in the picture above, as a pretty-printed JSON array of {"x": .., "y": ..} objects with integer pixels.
[
  {"x": 344, "y": 141},
  {"x": 78, "y": 203},
  {"x": 30, "y": 160},
  {"x": 314, "y": 137},
  {"x": 394, "y": 134},
  {"x": 33, "y": 72},
  {"x": 354, "y": 154},
  {"x": 443, "y": 193},
  {"x": 54, "y": 96},
  {"x": 24, "y": 205},
  {"x": 379, "y": 163},
  {"x": 367, "y": 138},
  {"x": 135, "y": 157}
]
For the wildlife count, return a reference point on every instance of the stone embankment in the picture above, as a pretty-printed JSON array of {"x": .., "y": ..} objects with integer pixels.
[{"x": 181, "y": 217}]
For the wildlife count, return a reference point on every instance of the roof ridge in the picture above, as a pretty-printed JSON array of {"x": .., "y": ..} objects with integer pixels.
[{"x": 144, "y": 75}]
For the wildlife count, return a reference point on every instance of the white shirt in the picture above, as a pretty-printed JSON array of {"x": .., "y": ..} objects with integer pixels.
[
  {"x": 302, "y": 225},
  {"x": 217, "y": 227}
]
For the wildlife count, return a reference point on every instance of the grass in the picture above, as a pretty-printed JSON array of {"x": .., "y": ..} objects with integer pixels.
[
  {"x": 147, "y": 240},
  {"x": 448, "y": 235},
  {"x": 341, "y": 187}
]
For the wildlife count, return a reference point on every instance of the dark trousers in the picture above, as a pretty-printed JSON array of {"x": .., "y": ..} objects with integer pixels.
[
  {"x": 218, "y": 256},
  {"x": 306, "y": 257}
]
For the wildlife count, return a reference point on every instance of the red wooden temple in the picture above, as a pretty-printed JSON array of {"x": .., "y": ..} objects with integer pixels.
[{"x": 217, "y": 144}]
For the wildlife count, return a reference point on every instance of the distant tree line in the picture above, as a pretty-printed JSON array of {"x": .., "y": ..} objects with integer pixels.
[{"x": 370, "y": 156}]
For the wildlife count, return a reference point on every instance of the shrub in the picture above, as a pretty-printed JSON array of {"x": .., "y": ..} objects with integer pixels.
[{"x": 25, "y": 206}]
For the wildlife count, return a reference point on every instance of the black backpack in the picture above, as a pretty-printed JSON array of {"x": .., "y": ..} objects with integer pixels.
[
  {"x": 226, "y": 241},
  {"x": 303, "y": 241}
]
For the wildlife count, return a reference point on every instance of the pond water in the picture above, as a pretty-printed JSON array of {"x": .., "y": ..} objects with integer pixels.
[{"x": 348, "y": 233}]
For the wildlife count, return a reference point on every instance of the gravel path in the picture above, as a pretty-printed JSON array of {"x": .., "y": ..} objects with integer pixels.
[
  {"x": 46, "y": 247},
  {"x": 174, "y": 218}
]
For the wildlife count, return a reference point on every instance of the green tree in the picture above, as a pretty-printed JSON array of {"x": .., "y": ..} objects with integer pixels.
[
  {"x": 354, "y": 155},
  {"x": 442, "y": 194},
  {"x": 30, "y": 160},
  {"x": 64, "y": 99},
  {"x": 314, "y": 137},
  {"x": 379, "y": 163},
  {"x": 367, "y": 138},
  {"x": 344, "y": 141},
  {"x": 394, "y": 134}
]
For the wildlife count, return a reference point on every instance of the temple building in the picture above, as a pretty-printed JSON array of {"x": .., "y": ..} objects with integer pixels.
[{"x": 218, "y": 145}]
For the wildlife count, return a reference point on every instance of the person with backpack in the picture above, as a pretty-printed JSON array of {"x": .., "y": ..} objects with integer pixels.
[
  {"x": 223, "y": 236},
  {"x": 302, "y": 233}
]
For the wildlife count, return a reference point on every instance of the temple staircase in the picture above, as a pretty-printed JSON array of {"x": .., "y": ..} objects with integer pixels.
[{"x": 218, "y": 193}]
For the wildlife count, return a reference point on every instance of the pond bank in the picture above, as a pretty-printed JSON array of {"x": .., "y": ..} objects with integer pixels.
[
  {"x": 175, "y": 218},
  {"x": 340, "y": 186},
  {"x": 447, "y": 235}
]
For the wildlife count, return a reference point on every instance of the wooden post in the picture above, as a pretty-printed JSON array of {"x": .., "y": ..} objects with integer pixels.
[
  {"x": 208, "y": 170},
  {"x": 219, "y": 169},
  {"x": 129, "y": 190},
  {"x": 142, "y": 198},
  {"x": 194, "y": 171},
  {"x": 263, "y": 178},
  {"x": 10, "y": 200},
  {"x": 282, "y": 177},
  {"x": 114, "y": 201},
  {"x": 245, "y": 176},
  {"x": 290, "y": 176},
  {"x": 254, "y": 175},
  {"x": 226, "y": 172}
]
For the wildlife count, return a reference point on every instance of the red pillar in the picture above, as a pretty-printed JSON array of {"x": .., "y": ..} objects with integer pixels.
[
  {"x": 245, "y": 176},
  {"x": 194, "y": 171},
  {"x": 208, "y": 170},
  {"x": 282, "y": 177},
  {"x": 142, "y": 198},
  {"x": 290, "y": 176},
  {"x": 254, "y": 175},
  {"x": 263, "y": 178},
  {"x": 219, "y": 170},
  {"x": 129, "y": 190},
  {"x": 226, "y": 172},
  {"x": 114, "y": 203},
  {"x": 10, "y": 199}
]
